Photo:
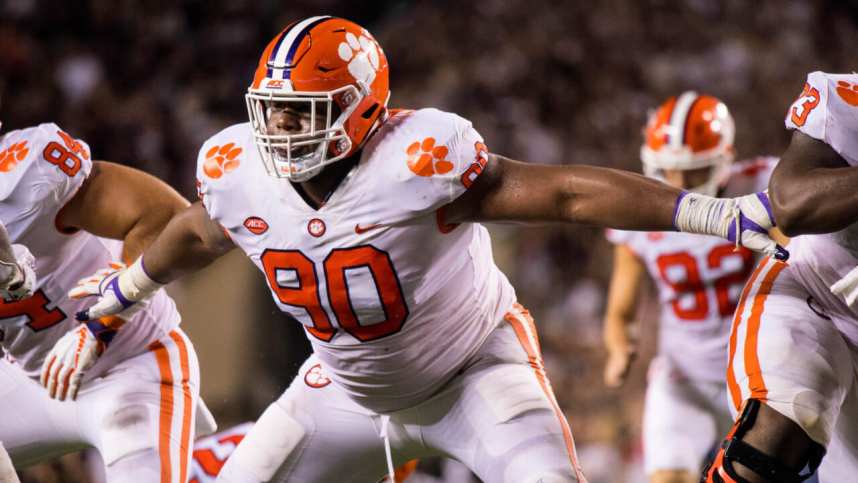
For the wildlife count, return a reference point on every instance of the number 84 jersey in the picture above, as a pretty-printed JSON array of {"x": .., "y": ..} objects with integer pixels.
[
  {"x": 393, "y": 300},
  {"x": 41, "y": 170},
  {"x": 699, "y": 280}
]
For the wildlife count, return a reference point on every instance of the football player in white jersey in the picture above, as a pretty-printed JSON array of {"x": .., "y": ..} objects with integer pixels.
[
  {"x": 793, "y": 351},
  {"x": 364, "y": 222},
  {"x": 127, "y": 385},
  {"x": 689, "y": 144}
]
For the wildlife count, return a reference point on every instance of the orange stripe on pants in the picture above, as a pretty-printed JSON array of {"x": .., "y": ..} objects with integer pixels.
[
  {"x": 166, "y": 418},
  {"x": 185, "y": 443},
  {"x": 525, "y": 329},
  {"x": 732, "y": 385},
  {"x": 752, "y": 361}
]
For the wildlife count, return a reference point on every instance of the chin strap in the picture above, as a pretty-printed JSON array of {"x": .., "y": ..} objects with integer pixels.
[{"x": 734, "y": 450}]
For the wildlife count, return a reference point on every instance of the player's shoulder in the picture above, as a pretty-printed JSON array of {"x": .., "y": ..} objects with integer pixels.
[
  {"x": 424, "y": 126},
  {"x": 427, "y": 156},
  {"x": 225, "y": 152},
  {"x": 827, "y": 110},
  {"x": 41, "y": 157}
]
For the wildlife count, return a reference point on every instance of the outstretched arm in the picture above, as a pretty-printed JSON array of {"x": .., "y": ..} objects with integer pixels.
[
  {"x": 509, "y": 190},
  {"x": 189, "y": 242},
  {"x": 813, "y": 188}
]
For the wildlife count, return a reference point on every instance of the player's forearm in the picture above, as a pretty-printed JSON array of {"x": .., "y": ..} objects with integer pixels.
[
  {"x": 190, "y": 242},
  {"x": 616, "y": 199},
  {"x": 616, "y": 334}
]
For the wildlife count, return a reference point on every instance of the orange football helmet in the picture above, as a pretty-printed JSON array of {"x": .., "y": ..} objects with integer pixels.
[
  {"x": 332, "y": 69},
  {"x": 690, "y": 131}
]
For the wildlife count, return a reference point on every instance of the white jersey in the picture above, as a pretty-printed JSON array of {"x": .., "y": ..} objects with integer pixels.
[
  {"x": 41, "y": 169},
  {"x": 699, "y": 279},
  {"x": 393, "y": 301},
  {"x": 827, "y": 110}
]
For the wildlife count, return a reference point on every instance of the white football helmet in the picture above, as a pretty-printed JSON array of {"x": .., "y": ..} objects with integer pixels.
[{"x": 688, "y": 132}]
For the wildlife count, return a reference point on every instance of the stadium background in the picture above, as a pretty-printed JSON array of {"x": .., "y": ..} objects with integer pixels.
[{"x": 146, "y": 82}]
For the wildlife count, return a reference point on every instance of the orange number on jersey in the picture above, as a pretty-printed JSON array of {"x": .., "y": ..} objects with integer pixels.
[
  {"x": 208, "y": 460},
  {"x": 386, "y": 282},
  {"x": 56, "y": 154},
  {"x": 476, "y": 168},
  {"x": 692, "y": 284},
  {"x": 36, "y": 310},
  {"x": 306, "y": 294},
  {"x": 727, "y": 306},
  {"x": 811, "y": 99}
]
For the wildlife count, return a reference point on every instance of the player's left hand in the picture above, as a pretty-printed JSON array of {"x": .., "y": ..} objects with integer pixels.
[
  {"x": 104, "y": 284},
  {"x": 21, "y": 285},
  {"x": 73, "y": 355}
]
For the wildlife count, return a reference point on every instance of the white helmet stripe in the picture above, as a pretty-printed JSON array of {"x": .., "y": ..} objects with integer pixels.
[
  {"x": 279, "y": 57},
  {"x": 678, "y": 117}
]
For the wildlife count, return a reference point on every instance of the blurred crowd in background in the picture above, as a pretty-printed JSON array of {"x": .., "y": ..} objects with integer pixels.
[{"x": 146, "y": 82}]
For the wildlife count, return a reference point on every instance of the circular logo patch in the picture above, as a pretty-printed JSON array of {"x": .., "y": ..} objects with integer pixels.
[
  {"x": 316, "y": 227},
  {"x": 315, "y": 378}
]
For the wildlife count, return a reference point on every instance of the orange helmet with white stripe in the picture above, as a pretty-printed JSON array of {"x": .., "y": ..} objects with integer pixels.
[
  {"x": 688, "y": 132},
  {"x": 330, "y": 69}
]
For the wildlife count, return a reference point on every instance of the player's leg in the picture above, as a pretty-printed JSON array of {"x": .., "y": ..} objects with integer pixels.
[
  {"x": 7, "y": 471},
  {"x": 141, "y": 414},
  {"x": 500, "y": 417},
  {"x": 34, "y": 427},
  {"x": 313, "y": 433},
  {"x": 679, "y": 424},
  {"x": 789, "y": 372},
  {"x": 841, "y": 458}
]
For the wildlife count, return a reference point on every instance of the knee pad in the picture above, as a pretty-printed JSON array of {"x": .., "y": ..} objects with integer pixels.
[{"x": 733, "y": 449}]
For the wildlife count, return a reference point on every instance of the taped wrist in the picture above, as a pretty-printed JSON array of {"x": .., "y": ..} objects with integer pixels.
[
  {"x": 135, "y": 284},
  {"x": 701, "y": 214}
]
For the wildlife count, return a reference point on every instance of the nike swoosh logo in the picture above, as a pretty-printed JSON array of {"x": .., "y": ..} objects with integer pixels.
[{"x": 360, "y": 230}]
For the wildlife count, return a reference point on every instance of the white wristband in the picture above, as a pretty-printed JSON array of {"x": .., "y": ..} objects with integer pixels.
[
  {"x": 701, "y": 214},
  {"x": 135, "y": 284}
]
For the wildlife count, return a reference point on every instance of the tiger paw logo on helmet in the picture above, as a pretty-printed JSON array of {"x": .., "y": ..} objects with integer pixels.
[
  {"x": 848, "y": 92},
  {"x": 362, "y": 55},
  {"x": 426, "y": 159},
  {"x": 221, "y": 159},
  {"x": 11, "y": 156}
]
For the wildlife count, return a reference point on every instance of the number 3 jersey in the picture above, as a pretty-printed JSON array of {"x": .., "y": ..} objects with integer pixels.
[
  {"x": 699, "y": 279},
  {"x": 393, "y": 300},
  {"x": 827, "y": 110},
  {"x": 41, "y": 169}
]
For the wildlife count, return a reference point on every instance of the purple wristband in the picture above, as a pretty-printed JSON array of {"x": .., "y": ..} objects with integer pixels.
[{"x": 676, "y": 208}]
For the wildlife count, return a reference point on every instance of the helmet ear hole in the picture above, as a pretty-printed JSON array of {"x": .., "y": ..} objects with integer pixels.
[{"x": 369, "y": 112}]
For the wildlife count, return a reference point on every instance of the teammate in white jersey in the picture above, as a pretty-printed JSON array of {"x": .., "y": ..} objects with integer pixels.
[
  {"x": 688, "y": 144},
  {"x": 136, "y": 402},
  {"x": 364, "y": 224},
  {"x": 793, "y": 354}
]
